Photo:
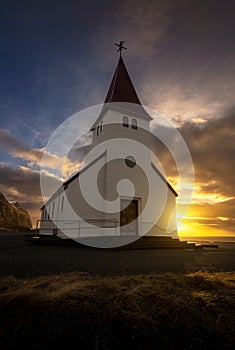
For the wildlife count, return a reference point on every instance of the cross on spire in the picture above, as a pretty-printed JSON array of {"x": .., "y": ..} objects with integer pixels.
[{"x": 120, "y": 47}]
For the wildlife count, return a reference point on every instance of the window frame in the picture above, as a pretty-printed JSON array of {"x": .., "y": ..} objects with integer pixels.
[
  {"x": 134, "y": 124},
  {"x": 125, "y": 121}
]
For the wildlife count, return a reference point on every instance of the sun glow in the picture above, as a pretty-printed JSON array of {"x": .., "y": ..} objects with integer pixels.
[
  {"x": 196, "y": 224},
  {"x": 204, "y": 214},
  {"x": 195, "y": 229},
  {"x": 203, "y": 219}
]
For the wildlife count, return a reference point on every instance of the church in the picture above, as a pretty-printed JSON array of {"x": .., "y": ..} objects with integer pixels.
[{"x": 120, "y": 194}]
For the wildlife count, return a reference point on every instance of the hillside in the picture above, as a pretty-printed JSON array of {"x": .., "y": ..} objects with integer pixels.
[{"x": 12, "y": 216}]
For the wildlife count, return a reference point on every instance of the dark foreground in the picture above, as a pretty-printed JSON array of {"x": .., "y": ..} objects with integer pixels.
[{"x": 55, "y": 297}]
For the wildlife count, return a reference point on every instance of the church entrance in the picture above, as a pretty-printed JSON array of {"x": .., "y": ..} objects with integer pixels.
[{"x": 128, "y": 216}]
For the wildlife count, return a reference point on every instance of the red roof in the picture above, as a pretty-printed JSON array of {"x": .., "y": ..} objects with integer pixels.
[{"x": 121, "y": 88}]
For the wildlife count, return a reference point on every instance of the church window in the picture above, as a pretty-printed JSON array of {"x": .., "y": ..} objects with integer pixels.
[
  {"x": 134, "y": 124},
  {"x": 125, "y": 122},
  {"x": 130, "y": 161},
  {"x": 62, "y": 204}
]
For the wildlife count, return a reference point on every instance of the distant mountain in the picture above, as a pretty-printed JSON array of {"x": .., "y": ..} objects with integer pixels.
[{"x": 12, "y": 216}]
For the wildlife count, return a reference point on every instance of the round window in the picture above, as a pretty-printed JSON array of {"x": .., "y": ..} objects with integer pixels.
[{"x": 130, "y": 161}]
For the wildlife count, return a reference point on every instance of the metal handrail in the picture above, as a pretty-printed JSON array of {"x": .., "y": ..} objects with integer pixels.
[
  {"x": 54, "y": 228},
  {"x": 51, "y": 225}
]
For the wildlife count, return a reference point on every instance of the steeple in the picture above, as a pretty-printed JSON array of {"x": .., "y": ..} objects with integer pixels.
[
  {"x": 121, "y": 94},
  {"x": 121, "y": 88}
]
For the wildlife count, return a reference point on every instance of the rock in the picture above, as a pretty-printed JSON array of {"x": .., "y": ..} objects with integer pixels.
[{"x": 12, "y": 216}]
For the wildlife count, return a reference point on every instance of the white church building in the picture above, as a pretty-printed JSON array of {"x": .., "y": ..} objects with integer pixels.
[{"x": 120, "y": 193}]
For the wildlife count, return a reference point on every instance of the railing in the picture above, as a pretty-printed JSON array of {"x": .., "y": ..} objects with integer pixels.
[
  {"x": 79, "y": 228},
  {"x": 74, "y": 227}
]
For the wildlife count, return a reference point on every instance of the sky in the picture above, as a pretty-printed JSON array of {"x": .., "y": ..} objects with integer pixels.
[{"x": 58, "y": 57}]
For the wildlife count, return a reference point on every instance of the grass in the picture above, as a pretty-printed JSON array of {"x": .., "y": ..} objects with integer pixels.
[{"x": 154, "y": 311}]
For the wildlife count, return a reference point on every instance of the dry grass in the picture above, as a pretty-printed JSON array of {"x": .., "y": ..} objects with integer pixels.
[{"x": 155, "y": 311}]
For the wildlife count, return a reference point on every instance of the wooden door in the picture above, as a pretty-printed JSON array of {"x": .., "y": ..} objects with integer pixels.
[{"x": 128, "y": 216}]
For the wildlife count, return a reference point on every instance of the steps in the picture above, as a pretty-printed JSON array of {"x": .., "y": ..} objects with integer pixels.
[
  {"x": 152, "y": 242},
  {"x": 145, "y": 242}
]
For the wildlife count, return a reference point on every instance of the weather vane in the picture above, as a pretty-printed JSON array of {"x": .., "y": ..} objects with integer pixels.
[{"x": 120, "y": 47}]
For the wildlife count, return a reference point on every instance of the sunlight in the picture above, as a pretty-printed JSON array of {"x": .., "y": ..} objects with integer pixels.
[{"x": 189, "y": 228}]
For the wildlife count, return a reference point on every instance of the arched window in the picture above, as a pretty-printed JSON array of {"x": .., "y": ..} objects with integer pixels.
[
  {"x": 125, "y": 122},
  {"x": 134, "y": 124}
]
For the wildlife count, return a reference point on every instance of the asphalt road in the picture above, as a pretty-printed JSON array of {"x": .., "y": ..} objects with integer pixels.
[{"x": 21, "y": 258}]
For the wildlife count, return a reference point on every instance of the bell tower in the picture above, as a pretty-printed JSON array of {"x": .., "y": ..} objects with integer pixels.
[{"x": 122, "y": 114}]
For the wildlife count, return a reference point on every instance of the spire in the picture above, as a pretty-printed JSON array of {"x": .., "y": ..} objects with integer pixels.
[{"x": 121, "y": 88}]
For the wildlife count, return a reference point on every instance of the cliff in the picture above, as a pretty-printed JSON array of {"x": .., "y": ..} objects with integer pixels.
[{"x": 12, "y": 216}]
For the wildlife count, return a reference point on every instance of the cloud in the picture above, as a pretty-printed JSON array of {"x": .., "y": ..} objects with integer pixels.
[
  {"x": 198, "y": 93},
  {"x": 18, "y": 148},
  {"x": 225, "y": 209},
  {"x": 34, "y": 157},
  {"x": 207, "y": 219},
  {"x": 23, "y": 185},
  {"x": 212, "y": 148},
  {"x": 139, "y": 25},
  {"x": 80, "y": 148},
  {"x": 182, "y": 54}
]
